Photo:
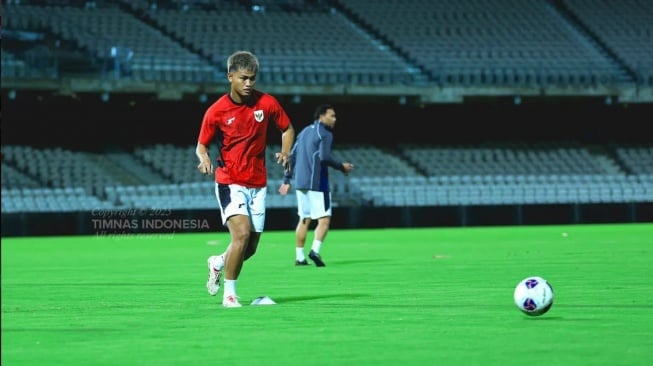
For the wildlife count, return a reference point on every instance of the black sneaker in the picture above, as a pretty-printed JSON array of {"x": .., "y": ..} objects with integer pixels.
[
  {"x": 301, "y": 263},
  {"x": 316, "y": 258}
]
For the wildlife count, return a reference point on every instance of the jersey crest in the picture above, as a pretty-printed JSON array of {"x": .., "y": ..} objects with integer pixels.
[{"x": 258, "y": 115}]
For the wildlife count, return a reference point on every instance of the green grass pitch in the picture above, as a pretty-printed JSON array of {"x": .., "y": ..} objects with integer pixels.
[{"x": 440, "y": 296}]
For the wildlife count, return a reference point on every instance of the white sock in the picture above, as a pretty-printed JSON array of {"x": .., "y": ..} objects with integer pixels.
[
  {"x": 316, "y": 246},
  {"x": 219, "y": 263},
  {"x": 299, "y": 254},
  {"x": 229, "y": 287}
]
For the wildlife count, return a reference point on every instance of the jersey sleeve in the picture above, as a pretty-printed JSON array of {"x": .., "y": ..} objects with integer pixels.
[
  {"x": 281, "y": 119},
  {"x": 207, "y": 130}
]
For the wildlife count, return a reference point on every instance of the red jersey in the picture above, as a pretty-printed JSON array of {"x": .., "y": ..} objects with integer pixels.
[{"x": 242, "y": 133}]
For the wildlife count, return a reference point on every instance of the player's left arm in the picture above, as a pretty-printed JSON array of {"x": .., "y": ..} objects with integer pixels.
[{"x": 287, "y": 141}]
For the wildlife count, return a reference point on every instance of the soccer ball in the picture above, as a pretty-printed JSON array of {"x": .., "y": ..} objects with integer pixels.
[{"x": 534, "y": 296}]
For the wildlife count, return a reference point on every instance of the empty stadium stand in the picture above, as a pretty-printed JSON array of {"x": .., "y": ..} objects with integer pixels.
[
  {"x": 559, "y": 45},
  {"x": 415, "y": 176},
  {"x": 122, "y": 44},
  {"x": 510, "y": 43},
  {"x": 625, "y": 30}
]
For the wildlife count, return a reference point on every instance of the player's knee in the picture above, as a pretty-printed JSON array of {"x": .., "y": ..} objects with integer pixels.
[
  {"x": 240, "y": 237},
  {"x": 324, "y": 221}
]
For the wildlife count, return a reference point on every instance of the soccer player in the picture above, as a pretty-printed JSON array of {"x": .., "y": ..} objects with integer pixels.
[
  {"x": 310, "y": 160},
  {"x": 239, "y": 120}
]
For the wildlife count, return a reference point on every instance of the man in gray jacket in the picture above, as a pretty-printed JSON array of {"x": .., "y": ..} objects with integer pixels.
[{"x": 310, "y": 160}]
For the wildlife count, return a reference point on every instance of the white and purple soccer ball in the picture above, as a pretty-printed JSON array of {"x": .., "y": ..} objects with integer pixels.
[{"x": 533, "y": 296}]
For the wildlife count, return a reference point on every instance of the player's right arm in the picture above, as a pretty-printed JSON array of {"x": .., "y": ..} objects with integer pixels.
[
  {"x": 205, "y": 166},
  {"x": 206, "y": 135}
]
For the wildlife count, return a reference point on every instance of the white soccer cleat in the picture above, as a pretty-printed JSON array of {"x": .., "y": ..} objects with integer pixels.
[
  {"x": 213, "y": 283},
  {"x": 231, "y": 301}
]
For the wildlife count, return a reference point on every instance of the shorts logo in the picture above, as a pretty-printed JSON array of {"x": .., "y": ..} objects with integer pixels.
[{"x": 258, "y": 115}]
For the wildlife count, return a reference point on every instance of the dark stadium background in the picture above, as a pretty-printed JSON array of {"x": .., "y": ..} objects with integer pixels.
[
  {"x": 104, "y": 114},
  {"x": 85, "y": 122}
]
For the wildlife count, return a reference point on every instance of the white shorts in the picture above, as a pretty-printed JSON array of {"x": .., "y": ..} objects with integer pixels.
[
  {"x": 313, "y": 204},
  {"x": 235, "y": 199}
]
